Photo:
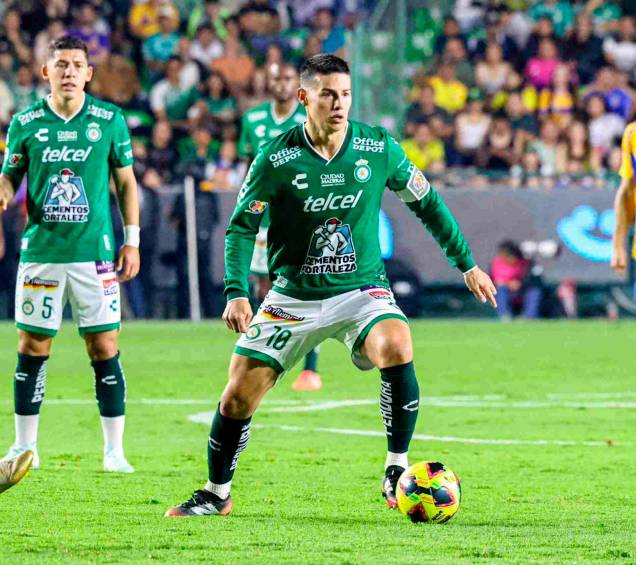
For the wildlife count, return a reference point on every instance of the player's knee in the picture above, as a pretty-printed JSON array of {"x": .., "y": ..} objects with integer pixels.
[
  {"x": 33, "y": 344},
  {"x": 237, "y": 403},
  {"x": 392, "y": 350},
  {"x": 101, "y": 347}
]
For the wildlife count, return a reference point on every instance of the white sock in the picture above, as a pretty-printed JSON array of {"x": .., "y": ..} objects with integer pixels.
[
  {"x": 222, "y": 491},
  {"x": 26, "y": 430},
  {"x": 399, "y": 459},
  {"x": 113, "y": 429}
]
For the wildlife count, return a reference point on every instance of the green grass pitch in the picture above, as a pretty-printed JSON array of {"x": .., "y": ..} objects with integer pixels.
[{"x": 555, "y": 484}]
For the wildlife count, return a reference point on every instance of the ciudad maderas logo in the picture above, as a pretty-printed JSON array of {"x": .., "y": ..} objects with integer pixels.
[{"x": 66, "y": 199}]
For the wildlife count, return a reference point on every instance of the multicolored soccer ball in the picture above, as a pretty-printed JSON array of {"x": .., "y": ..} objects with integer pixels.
[{"x": 429, "y": 492}]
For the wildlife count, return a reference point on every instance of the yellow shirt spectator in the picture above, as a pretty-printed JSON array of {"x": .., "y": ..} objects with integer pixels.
[
  {"x": 424, "y": 155},
  {"x": 628, "y": 161},
  {"x": 143, "y": 17},
  {"x": 450, "y": 95}
]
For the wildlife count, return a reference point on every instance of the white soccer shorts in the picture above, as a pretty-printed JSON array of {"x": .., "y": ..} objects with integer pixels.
[
  {"x": 285, "y": 329},
  {"x": 259, "y": 258},
  {"x": 43, "y": 289}
]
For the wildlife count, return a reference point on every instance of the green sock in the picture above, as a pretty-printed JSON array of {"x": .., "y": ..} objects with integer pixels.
[
  {"x": 110, "y": 387},
  {"x": 399, "y": 404},
  {"x": 29, "y": 384},
  {"x": 228, "y": 438},
  {"x": 311, "y": 360}
]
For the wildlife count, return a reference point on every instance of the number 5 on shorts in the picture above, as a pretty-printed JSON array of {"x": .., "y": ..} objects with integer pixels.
[
  {"x": 47, "y": 309},
  {"x": 279, "y": 338}
]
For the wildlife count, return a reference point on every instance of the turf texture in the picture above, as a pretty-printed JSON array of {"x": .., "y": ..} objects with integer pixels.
[{"x": 538, "y": 420}]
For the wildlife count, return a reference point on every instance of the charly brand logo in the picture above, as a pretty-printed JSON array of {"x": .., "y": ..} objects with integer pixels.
[
  {"x": 42, "y": 134},
  {"x": 331, "y": 250},
  {"x": 66, "y": 199},
  {"x": 298, "y": 181},
  {"x": 362, "y": 172}
]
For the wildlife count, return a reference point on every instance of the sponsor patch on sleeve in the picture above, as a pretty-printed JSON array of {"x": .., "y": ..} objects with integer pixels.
[
  {"x": 257, "y": 207},
  {"x": 416, "y": 188}
]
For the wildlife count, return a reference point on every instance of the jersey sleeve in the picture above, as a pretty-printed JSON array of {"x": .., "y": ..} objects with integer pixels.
[
  {"x": 121, "y": 153},
  {"x": 628, "y": 151},
  {"x": 411, "y": 186},
  {"x": 16, "y": 160},
  {"x": 252, "y": 201},
  {"x": 244, "y": 147}
]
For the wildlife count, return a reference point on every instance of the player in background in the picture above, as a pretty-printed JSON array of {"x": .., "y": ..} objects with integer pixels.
[
  {"x": 260, "y": 125},
  {"x": 68, "y": 145},
  {"x": 12, "y": 471},
  {"x": 329, "y": 173},
  {"x": 624, "y": 202}
]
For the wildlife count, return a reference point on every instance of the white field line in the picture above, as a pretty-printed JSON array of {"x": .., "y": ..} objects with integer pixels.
[
  {"x": 299, "y": 406},
  {"x": 206, "y": 418}
]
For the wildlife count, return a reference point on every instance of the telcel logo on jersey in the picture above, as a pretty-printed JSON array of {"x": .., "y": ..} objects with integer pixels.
[
  {"x": 367, "y": 144},
  {"x": 284, "y": 156},
  {"x": 66, "y": 199},
  {"x": 65, "y": 155},
  {"x": 332, "y": 202},
  {"x": 331, "y": 250}
]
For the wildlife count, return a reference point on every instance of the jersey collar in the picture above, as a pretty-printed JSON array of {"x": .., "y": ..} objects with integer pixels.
[
  {"x": 67, "y": 120},
  {"x": 278, "y": 121},
  {"x": 341, "y": 149}
]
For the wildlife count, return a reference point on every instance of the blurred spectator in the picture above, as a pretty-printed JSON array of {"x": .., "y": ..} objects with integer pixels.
[
  {"x": 618, "y": 98},
  {"x": 604, "y": 15},
  {"x": 191, "y": 70},
  {"x": 558, "y": 101},
  {"x": 209, "y": 13},
  {"x": 425, "y": 110},
  {"x": 450, "y": 93},
  {"x": 206, "y": 46},
  {"x": 257, "y": 93},
  {"x": 13, "y": 39},
  {"x": 116, "y": 80},
  {"x": 54, "y": 29},
  {"x": 559, "y": 11},
  {"x": 161, "y": 156},
  {"x": 574, "y": 153},
  {"x": 543, "y": 29},
  {"x": 517, "y": 289},
  {"x": 235, "y": 66},
  {"x": 85, "y": 28},
  {"x": 170, "y": 98},
  {"x": 498, "y": 153},
  {"x": 216, "y": 106},
  {"x": 524, "y": 125},
  {"x": 584, "y": 50},
  {"x": 540, "y": 69},
  {"x": 304, "y": 10},
  {"x": 455, "y": 53},
  {"x": 546, "y": 147},
  {"x": 313, "y": 46},
  {"x": 451, "y": 30},
  {"x": 471, "y": 128},
  {"x": 143, "y": 17},
  {"x": 6, "y": 103},
  {"x": 23, "y": 89},
  {"x": 331, "y": 35},
  {"x": 492, "y": 73},
  {"x": 424, "y": 150},
  {"x": 499, "y": 32},
  {"x": 605, "y": 128},
  {"x": 159, "y": 47},
  {"x": 620, "y": 50}
]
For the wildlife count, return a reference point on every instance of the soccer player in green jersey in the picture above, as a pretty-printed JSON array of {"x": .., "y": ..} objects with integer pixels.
[
  {"x": 323, "y": 184},
  {"x": 68, "y": 145},
  {"x": 260, "y": 125}
]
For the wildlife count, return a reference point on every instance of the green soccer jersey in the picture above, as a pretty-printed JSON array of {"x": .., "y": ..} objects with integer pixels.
[
  {"x": 323, "y": 236},
  {"x": 68, "y": 163},
  {"x": 260, "y": 125}
]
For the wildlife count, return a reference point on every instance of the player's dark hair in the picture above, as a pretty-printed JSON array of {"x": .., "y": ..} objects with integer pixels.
[
  {"x": 322, "y": 64},
  {"x": 66, "y": 42}
]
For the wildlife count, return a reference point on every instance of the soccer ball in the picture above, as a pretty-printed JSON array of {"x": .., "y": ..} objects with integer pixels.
[{"x": 429, "y": 492}]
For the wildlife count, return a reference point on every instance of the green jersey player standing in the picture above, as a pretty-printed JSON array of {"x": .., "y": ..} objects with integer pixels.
[
  {"x": 68, "y": 145},
  {"x": 260, "y": 125},
  {"x": 323, "y": 184}
]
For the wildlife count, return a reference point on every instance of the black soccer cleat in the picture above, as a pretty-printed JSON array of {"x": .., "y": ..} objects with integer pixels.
[
  {"x": 389, "y": 484},
  {"x": 202, "y": 503}
]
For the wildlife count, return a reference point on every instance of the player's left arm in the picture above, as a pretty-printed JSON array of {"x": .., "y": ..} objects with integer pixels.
[
  {"x": 120, "y": 159},
  {"x": 128, "y": 261},
  {"x": 412, "y": 187}
]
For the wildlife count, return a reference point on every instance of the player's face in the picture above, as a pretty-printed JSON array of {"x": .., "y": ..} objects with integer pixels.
[
  {"x": 68, "y": 72},
  {"x": 283, "y": 83},
  {"x": 328, "y": 100}
]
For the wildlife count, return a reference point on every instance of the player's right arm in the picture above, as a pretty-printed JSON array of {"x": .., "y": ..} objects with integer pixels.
[
  {"x": 624, "y": 201},
  {"x": 252, "y": 201},
  {"x": 14, "y": 165}
]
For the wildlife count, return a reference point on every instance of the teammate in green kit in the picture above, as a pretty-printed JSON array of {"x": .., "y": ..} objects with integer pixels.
[
  {"x": 260, "y": 125},
  {"x": 68, "y": 145},
  {"x": 323, "y": 184}
]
